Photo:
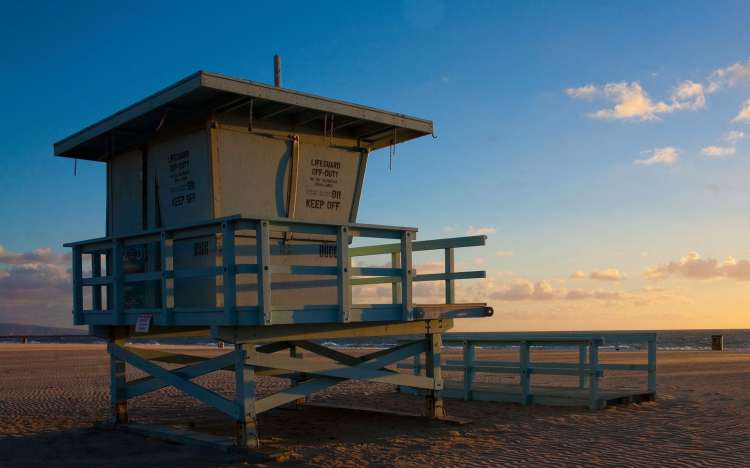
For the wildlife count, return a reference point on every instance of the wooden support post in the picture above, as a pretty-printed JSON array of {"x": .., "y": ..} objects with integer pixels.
[
  {"x": 117, "y": 385},
  {"x": 247, "y": 425},
  {"x": 77, "y": 274},
  {"x": 229, "y": 276},
  {"x": 118, "y": 296},
  {"x": 96, "y": 272},
  {"x": 344, "y": 283},
  {"x": 294, "y": 353},
  {"x": 525, "y": 361},
  {"x": 166, "y": 251},
  {"x": 469, "y": 355},
  {"x": 406, "y": 276},
  {"x": 435, "y": 408},
  {"x": 594, "y": 377},
  {"x": 418, "y": 364},
  {"x": 652, "y": 365},
  {"x": 263, "y": 248},
  {"x": 395, "y": 287},
  {"x": 582, "y": 366},
  {"x": 450, "y": 285}
]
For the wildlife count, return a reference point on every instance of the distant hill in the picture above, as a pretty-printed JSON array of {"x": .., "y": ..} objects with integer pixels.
[{"x": 22, "y": 329}]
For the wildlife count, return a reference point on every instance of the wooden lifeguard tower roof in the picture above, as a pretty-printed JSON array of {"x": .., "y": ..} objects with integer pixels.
[{"x": 203, "y": 93}]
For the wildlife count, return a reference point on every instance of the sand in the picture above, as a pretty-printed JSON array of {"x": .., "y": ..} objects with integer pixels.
[{"x": 51, "y": 395}]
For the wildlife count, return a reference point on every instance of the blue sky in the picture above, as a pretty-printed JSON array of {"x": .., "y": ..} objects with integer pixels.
[{"x": 554, "y": 183}]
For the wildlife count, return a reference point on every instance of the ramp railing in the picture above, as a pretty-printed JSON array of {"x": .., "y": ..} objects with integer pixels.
[{"x": 589, "y": 369}]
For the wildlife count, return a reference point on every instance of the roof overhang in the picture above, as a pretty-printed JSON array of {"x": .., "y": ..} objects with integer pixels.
[{"x": 203, "y": 94}]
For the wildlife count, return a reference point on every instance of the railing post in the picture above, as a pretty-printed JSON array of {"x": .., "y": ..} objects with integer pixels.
[
  {"x": 582, "y": 366},
  {"x": 77, "y": 287},
  {"x": 594, "y": 376},
  {"x": 468, "y": 369},
  {"x": 395, "y": 287},
  {"x": 450, "y": 285},
  {"x": 229, "y": 277},
  {"x": 433, "y": 369},
  {"x": 96, "y": 272},
  {"x": 166, "y": 250},
  {"x": 263, "y": 252},
  {"x": 652, "y": 365},
  {"x": 118, "y": 299},
  {"x": 406, "y": 276},
  {"x": 344, "y": 284},
  {"x": 525, "y": 360}
]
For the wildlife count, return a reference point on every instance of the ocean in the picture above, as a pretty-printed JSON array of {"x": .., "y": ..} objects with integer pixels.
[{"x": 734, "y": 340}]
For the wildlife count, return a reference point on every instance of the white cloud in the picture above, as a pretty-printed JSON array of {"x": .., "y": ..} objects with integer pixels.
[
  {"x": 744, "y": 114},
  {"x": 480, "y": 231},
  {"x": 587, "y": 91},
  {"x": 694, "y": 267},
  {"x": 504, "y": 253},
  {"x": 688, "y": 95},
  {"x": 666, "y": 155},
  {"x": 608, "y": 274},
  {"x": 719, "y": 151},
  {"x": 734, "y": 135},
  {"x": 525, "y": 290},
  {"x": 729, "y": 76},
  {"x": 632, "y": 102}
]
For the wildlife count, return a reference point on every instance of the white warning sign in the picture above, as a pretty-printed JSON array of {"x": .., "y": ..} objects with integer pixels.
[{"x": 326, "y": 185}]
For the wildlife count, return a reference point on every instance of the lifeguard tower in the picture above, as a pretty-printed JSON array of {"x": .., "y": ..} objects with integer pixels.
[{"x": 231, "y": 207}]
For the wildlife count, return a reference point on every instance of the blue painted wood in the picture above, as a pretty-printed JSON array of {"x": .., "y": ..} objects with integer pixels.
[
  {"x": 190, "y": 388},
  {"x": 265, "y": 313},
  {"x": 263, "y": 255},
  {"x": 147, "y": 385},
  {"x": 344, "y": 275},
  {"x": 245, "y": 397},
  {"x": 229, "y": 279}
]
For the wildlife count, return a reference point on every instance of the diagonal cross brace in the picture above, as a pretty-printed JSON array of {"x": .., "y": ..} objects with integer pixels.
[
  {"x": 196, "y": 391},
  {"x": 331, "y": 374},
  {"x": 150, "y": 384}
]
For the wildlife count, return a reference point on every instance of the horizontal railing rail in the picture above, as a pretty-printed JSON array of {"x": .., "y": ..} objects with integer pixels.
[{"x": 108, "y": 278}]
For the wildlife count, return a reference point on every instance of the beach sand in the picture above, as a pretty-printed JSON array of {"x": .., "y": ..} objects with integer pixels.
[{"x": 51, "y": 395}]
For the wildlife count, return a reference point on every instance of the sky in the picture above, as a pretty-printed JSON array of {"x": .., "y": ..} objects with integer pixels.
[{"x": 603, "y": 147}]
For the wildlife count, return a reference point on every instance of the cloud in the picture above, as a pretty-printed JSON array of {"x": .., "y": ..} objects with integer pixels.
[
  {"x": 694, "y": 267},
  {"x": 719, "y": 151},
  {"x": 525, "y": 290},
  {"x": 608, "y": 274},
  {"x": 744, "y": 114},
  {"x": 587, "y": 91},
  {"x": 666, "y": 155},
  {"x": 504, "y": 253},
  {"x": 35, "y": 287},
  {"x": 632, "y": 102},
  {"x": 480, "y": 231},
  {"x": 729, "y": 76},
  {"x": 688, "y": 95},
  {"x": 734, "y": 136}
]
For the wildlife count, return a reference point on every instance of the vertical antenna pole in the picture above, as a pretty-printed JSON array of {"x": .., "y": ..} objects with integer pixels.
[{"x": 277, "y": 71}]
